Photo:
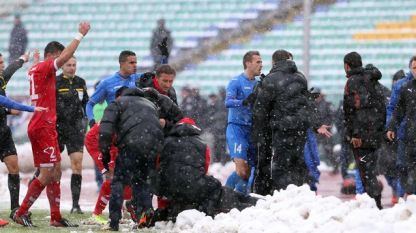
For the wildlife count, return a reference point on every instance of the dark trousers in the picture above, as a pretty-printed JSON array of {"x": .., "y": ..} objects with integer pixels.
[
  {"x": 366, "y": 160},
  {"x": 262, "y": 179},
  {"x": 288, "y": 160},
  {"x": 408, "y": 173},
  {"x": 131, "y": 169}
]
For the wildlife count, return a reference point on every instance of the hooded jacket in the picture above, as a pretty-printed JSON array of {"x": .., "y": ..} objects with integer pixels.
[
  {"x": 168, "y": 110},
  {"x": 364, "y": 106},
  {"x": 135, "y": 120},
  {"x": 183, "y": 166},
  {"x": 284, "y": 103}
]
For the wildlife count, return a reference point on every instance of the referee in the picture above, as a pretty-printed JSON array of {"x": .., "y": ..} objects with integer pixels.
[{"x": 71, "y": 99}]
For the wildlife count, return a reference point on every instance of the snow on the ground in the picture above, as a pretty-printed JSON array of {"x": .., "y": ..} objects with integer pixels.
[{"x": 297, "y": 209}]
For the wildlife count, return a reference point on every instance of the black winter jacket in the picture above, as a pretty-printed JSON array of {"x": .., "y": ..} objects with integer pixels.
[
  {"x": 168, "y": 110},
  {"x": 364, "y": 107},
  {"x": 183, "y": 166},
  {"x": 284, "y": 103},
  {"x": 406, "y": 109},
  {"x": 135, "y": 120},
  {"x": 71, "y": 98}
]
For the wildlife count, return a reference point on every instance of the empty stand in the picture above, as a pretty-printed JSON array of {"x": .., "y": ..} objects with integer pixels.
[
  {"x": 122, "y": 24},
  {"x": 332, "y": 36}
]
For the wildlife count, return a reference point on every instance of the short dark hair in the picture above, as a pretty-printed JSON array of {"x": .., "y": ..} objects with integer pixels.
[
  {"x": 248, "y": 56},
  {"x": 353, "y": 60},
  {"x": 281, "y": 55},
  {"x": 124, "y": 54},
  {"x": 413, "y": 58},
  {"x": 53, "y": 47},
  {"x": 165, "y": 69},
  {"x": 1, "y": 55}
]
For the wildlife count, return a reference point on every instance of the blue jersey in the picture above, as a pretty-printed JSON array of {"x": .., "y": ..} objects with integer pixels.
[
  {"x": 237, "y": 90},
  {"x": 107, "y": 88},
  {"x": 9, "y": 103}
]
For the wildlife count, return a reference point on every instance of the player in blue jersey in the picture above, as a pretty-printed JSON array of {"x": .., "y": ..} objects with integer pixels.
[
  {"x": 242, "y": 151},
  {"x": 107, "y": 88}
]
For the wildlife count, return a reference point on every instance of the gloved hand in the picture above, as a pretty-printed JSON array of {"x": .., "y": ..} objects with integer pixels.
[
  {"x": 146, "y": 80},
  {"x": 91, "y": 123},
  {"x": 163, "y": 47},
  {"x": 250, "y": 99},
  {"x": 105, "y": 160}
]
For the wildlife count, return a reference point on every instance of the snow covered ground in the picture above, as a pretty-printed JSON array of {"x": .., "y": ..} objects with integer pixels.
[
  {"x": 299, "y": 210},
  {"x": 293, "y": 210}
]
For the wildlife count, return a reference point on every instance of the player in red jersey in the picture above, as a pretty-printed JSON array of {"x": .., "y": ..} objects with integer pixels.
[{"x": 42, "y": 131}]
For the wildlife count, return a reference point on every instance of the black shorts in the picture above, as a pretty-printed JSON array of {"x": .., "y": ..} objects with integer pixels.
[
  {"x": 71, "y": 135},
  {"x": 7, "y": 146}
]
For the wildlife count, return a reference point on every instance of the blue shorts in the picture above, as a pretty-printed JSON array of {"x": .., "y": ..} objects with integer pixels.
[{"x": 239, "y": 143}]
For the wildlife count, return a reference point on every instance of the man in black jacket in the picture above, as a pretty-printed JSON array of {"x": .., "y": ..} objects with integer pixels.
[
  {"x": 8, "y": 154},
  {"x": 183, "y": 176},
  {"x": 139, "y": 138},
  {"x": 285, "y": 106},
  {"x": 71, "y": 123},
  {"x": 364, "y": 115},
  {"x": 406, "y": 110}
]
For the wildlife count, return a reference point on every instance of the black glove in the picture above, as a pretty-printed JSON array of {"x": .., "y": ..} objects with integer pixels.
[
  {"x": 91, "y": 123},
  {"x": 106, "y": 159},
  {"x": 146, "y": 80},
  {"x": 163, "y": 47},
  {"x": 250, "y": 99}
]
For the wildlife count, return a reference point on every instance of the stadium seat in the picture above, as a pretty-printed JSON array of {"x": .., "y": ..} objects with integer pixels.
[
  {"x": 122, "y": 24},
  {"x": 333, "y": 29}
]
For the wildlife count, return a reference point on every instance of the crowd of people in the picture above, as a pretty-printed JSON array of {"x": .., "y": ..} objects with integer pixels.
[{"x": 147, "y": 144}]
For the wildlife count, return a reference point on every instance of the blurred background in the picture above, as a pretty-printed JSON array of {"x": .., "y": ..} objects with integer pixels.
[{"x": 209, "y": 38}]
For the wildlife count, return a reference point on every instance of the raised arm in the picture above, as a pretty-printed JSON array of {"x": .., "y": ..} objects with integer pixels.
[
  {"x": 14, "y": 66},
  {"x": 69, "y": 50}
]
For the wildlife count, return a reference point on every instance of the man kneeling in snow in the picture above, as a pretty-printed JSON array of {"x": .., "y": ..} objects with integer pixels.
[{"x": 183, "y": 176}]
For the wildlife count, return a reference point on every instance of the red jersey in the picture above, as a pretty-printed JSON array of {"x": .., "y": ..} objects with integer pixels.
[{"x": 43, "y": 93}]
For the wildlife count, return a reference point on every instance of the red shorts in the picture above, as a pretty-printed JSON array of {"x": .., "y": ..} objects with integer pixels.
[
  {"x": 97, "y": 157},
  {"x": 45, "y": 146},
  {"x": 91, "y": 142}
]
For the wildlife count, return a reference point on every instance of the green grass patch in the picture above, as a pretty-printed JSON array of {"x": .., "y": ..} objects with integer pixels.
[{"x": 40, "y": 218}]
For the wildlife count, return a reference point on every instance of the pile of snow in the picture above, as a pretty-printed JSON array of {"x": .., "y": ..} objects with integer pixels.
[{"x": 297, "y": 209}]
